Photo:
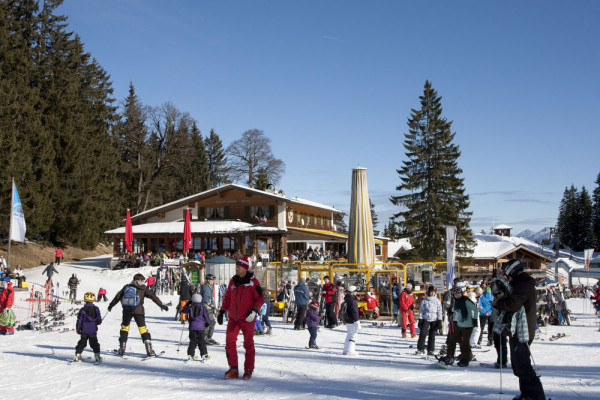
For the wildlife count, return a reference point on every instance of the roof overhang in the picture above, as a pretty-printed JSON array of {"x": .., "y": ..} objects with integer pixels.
[{"x": 198, "y": 228}]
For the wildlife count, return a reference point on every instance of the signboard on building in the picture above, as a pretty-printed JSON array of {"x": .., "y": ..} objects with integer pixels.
[{"x": 439, "y": 281}]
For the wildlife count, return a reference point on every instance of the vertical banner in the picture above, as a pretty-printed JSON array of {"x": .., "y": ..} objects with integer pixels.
[
  {"x": 450, "y": 254},
  {"x": 17, "y": 218},
  {"x": 587, "y": 253}
]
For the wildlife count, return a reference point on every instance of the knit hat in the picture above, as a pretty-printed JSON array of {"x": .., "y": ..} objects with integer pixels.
[
  {"x": 243, "y": 262},
  {"x": 196, "y": 298},
  {"x": 314, "y": 305}
]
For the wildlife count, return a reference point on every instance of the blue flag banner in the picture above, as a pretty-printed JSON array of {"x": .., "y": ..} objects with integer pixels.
[
  {"x": 17, "y": 218},
  {"x": 450, "y": 254}
]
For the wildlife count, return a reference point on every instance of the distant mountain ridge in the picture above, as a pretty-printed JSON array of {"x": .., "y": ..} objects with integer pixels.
[{"x": 534, "y": 236}]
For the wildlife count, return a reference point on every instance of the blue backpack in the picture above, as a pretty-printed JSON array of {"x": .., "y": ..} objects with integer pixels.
[{"x": 131, "y": 296}]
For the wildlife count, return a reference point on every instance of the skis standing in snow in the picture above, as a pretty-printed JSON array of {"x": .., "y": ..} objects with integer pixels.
[
  {"x": 88, "y": 319},
  {"x": 132, "y": 300}
]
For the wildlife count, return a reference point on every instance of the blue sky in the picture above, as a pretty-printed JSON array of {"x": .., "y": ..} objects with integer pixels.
[{"x": 332, "y": 84}]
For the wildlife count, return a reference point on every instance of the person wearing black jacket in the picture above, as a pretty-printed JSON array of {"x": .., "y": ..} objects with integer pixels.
[
  {"x": 523, "y": 295},
  {"x": 185, "y": 295},
  {"x": 352, "y": 322},
  {"x": 132, "y": 298}
]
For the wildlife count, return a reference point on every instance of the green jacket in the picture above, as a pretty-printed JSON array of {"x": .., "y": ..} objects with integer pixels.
[{"x": 465, "y": 311}]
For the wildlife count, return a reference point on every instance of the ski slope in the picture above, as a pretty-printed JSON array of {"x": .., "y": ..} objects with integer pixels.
[{"x": 35, "y": 364}]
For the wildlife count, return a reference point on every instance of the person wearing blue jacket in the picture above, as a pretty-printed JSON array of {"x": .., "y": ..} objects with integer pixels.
[
  {"x": 198, "y": 320},
  {"x": 485, "y": 315},
  {"x": 88, "y": 319},
  {"x": 302, "y": 298}
]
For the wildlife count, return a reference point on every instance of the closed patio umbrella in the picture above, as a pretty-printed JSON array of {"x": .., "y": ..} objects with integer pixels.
[
  {"x": 128, "y": 233},
  {"x": 187, "y": 233},
  {"x": 361, "y": 246}
]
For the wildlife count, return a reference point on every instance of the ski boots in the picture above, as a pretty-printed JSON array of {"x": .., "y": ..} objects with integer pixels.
[
  {"x": 404, "y": 336},
  {"x": 122, "y": 346},
  {"x": 247, "y": 375},
  {"x": 443, "y": 350},
  {"x": 420, "y": 352},
  {"x": 205, "y": 358},
  {"x": 149, "y": 351},
  {"x": 77, "y": 357},
  {"x": 497, "y": 365},
  {"x": 232, "y": 373},
  {"x": 431, "y": 353},
  {"x": 313, "y": 346},
  {"x": 448, "y": 360},
  {"x": 97, "y": 358},
  {"x": 463, "y": 364},
  {"x": 412, "y": 335}
]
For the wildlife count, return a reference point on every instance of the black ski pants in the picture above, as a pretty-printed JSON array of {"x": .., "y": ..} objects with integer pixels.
[
  {"x": 501, "y": 345},
  {"x": 197, "y": 339},
  {"x": 83, "y": 341},
  {"x": 140, "y": 322},
  {"x": 427, "y": 330},
  {"x": 330, "y": 314},
  {"x": 520, "y": 359},
  {"x": 482, "y": 320},
  {"x": 461, "y": 336},
  {"x": 300, "y": 317}
]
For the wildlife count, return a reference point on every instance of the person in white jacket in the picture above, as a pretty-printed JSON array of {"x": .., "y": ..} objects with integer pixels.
[{"x": 430, "y": 320}]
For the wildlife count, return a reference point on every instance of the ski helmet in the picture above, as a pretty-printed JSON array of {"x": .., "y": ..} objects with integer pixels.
[
  {"x": 478, "y": 290},
  {"x": 89, "y": 297},
  {"x": 209, "y": 277},
  {"x": 351, "y": 289},
  {"x": 512, "y": 268},
  {"x": 196, "y": 298}
]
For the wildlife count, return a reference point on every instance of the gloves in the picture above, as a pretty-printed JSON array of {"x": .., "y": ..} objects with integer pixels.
[
  {"x": 220, "y": 317},
  {"x": 250, "y": 316},
  {"x": 474, "y": 320},
  {"x": 164, "y": 308},
  {"x": 412, "y": 307},
  {"x": 109, "y": 308},
  {"x": 78, "y": 332}
]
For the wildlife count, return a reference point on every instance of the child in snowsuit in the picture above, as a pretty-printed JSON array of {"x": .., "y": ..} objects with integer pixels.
[
  {"x": 88, "y": 320},
  {"x": 407, "y": 305},
  {"x": 198, "y": 320},
  {"x": 313, "y": 320}
]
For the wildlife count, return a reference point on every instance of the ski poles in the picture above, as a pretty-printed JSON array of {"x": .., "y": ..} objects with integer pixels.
[{"x": 180, "y": 337}]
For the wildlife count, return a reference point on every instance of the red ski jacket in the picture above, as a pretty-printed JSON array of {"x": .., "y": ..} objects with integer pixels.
[
  {"x": 372, "y": 302},
  {"x": 242, "y": 296},
  {"x": 329, "y": 290},
  {"x": 7, "y": 298},
  {"x": 406, "y": 300}
]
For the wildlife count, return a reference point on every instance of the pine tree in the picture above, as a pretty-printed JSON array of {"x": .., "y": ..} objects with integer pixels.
[
  {"x": 217, "y": 161},
  {"x": 567, "y": 217},
  {"x": 390, "y": 231},
  {"x": 584, "y": 232},
  {"x": 261, "y": 179},
  {"x": 373, "y": 217},
  {"x": 432, "y": 192},
  {"x": 596, "y": 215},
  {"x": 339, "y": 223}
]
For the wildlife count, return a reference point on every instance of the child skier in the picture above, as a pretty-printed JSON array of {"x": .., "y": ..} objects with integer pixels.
[
  {"x": 87, "y": 326},
  {"x": 352, "y": 322},
  {"x": 198, "y": 320},
  {"x": 313, "y": 320}
]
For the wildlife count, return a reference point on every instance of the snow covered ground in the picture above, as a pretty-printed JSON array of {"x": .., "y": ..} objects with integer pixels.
[{"x": 34, "y": 364}]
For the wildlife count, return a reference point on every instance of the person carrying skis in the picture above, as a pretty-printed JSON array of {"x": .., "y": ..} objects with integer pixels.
[
  {"x": 430, "y": 320},
  {"x": 407, "y": 305},
  {"x": 88, "y": 320},
  {"x": 465, "y": 315},
  {"x": 243, "y": 300},
  {"x": 198, "y": 320},
  {"x": 7, "y": 315},
  {"x": 132, "y": 298},
  {"x": 352, "y": 322},
  {"x": 208, "y": 301},
  {"x": 329, "y": 290},
  {"x": 72, "y": 284},
  {"x": 520, "y": 305}
]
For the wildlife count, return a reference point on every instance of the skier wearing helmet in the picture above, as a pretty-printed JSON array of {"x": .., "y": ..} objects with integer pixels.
[{"x": 88, "y": 320}]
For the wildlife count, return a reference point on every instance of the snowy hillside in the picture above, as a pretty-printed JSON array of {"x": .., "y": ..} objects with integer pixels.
[
  {"x": 536, "y": 237},
  {"x": 35, "y": 364}
]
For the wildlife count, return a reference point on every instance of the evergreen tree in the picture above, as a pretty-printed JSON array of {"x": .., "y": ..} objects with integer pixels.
[
  {"x": 261, "y": 179},
  {"x": 596, "y": 215},
  {"x": 432, "y": 192},
  {"x": 567, "y": 217},
  {"x": 390, "y": 231},
  {"x": 339, "y": 223},
  {"x": 584, "y": 232},
  {"x": 373, "y": 217},
  {"x": 217, "y": 161}
]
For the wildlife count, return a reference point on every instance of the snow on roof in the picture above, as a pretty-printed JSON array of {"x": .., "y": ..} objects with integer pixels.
[
  {"x": 502, "y": 226},
  {"x": 197, "y": 227},
  {"x": 395, "y": 245},
  {"x": 492, "y": 246},
  {"x": 313, "y": 204}
]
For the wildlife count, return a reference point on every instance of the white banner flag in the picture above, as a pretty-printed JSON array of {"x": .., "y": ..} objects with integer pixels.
[
  {"x": 17, "y": 218},
  {"x": 587, "y": 254},
  {"x": 450, "y": 254}
]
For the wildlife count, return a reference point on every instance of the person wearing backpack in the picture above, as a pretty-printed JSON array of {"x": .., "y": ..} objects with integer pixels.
[
  {"x": 132, "y": 300},
  {"x": 88, "y": 320}
]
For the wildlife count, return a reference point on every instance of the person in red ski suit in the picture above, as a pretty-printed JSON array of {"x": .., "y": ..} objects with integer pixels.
[
  {"x": 372, "y": 304},
  {"x": 7, "y": 298},
  {"x": 407, "y": 305},
  {"x": 58, "y": 254},
  {"x": 329, "y": 291},
  {"x": 243, "y": 300}
]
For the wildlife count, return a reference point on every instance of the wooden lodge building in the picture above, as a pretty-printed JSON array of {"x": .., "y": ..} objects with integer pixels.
[{"x": 234, "y": 218}]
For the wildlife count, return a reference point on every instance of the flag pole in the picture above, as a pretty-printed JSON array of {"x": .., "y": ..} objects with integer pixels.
[{"x": 12, "y": 193}]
